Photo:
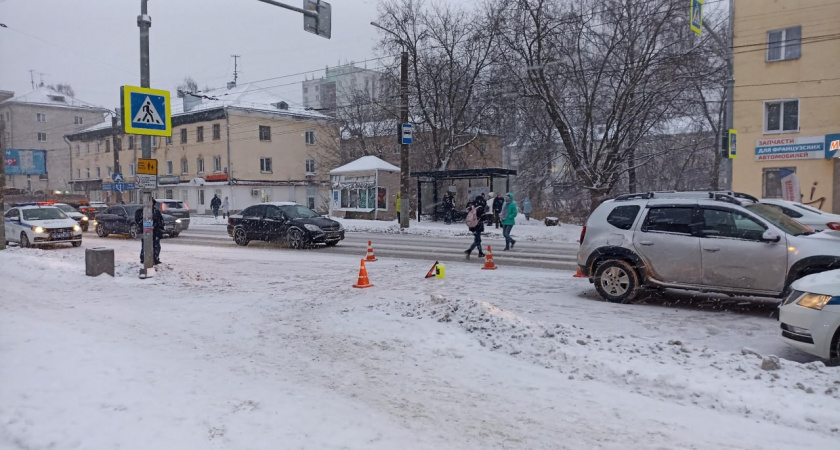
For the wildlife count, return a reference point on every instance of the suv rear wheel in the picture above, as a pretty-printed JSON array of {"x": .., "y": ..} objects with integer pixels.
[{"x": 616, "y": 281}]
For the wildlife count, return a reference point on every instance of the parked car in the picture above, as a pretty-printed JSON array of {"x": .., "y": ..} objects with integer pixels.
[
  {"x": 33, "y": 225},
  {"x": 176, "y": 208},
  {"x": 81, "y": 219},
  {"x": 286, "y": 222},
  {"x": 119, "y": 219},
  {"x": 703, "y": 242},
  {"x": 807, "y": 215},
  {"x": 810, "y": 315},
  {"x": 90, "y": 209}
]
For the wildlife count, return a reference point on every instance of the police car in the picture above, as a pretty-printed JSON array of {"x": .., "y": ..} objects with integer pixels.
[{"x": 32, "y": 224}]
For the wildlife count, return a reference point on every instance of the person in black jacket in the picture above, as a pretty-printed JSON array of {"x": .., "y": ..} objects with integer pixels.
[
  {"x": 498, "y": 204},
  {"x": 215, "y": 204},
  {"x": 448, "y": 208},
  {"x": 157, "y": 233},
  {"x": 481, "y": 203}
]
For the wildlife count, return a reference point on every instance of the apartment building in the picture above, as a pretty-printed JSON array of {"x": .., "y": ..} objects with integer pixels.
[
  {"x": 243, "y": 143},
  {"x": 36, "y": 123},
  {"x": 787, "y": 107},
  {"x": 341, "y": 87}
]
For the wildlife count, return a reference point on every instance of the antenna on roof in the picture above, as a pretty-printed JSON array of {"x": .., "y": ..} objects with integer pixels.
[
  {"x": 235, "y": 68},
  {"x": 32, "y": 78}
]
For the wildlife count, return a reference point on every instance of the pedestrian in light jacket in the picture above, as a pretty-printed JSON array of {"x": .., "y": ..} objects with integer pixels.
[
  {"x": 225, "y": 209},
  {"x": 526, "y": 208},
  {"x": 509, "y": 213}
]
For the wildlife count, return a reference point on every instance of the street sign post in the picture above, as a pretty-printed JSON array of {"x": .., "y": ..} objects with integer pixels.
[
  {"x": 146, "y": 177},
  {"x": 146, "y": 111},
  {"x": 407, "y": 133},
  {"x": 696, "y": 16},
  {"x": 322, "y": 23},
  {"x": 147, "y": 166}
]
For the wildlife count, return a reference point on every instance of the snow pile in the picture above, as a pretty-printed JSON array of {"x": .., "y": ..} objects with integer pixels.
[{"x": 744, "y": 383}]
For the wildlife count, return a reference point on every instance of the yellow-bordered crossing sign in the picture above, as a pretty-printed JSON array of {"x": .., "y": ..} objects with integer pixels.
[
  {"x": 696, "y": 16},
  {"x": 146, "y": 111}
]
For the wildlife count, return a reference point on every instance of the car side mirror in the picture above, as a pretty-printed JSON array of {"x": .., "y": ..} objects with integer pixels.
[{"x": 770, "y": 236}]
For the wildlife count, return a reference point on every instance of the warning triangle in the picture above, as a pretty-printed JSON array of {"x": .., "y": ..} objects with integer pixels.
[
  {"x": 432, "y": 271},
  {"x": 147, "y": 113}
]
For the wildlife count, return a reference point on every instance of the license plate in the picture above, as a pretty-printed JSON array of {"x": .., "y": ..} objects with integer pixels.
[
  {"x": 333, "y": 235},
  {"x": 61, "y": 235}
]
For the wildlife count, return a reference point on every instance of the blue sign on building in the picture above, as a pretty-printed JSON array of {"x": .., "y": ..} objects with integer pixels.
[{"x": 26, "y": 162}]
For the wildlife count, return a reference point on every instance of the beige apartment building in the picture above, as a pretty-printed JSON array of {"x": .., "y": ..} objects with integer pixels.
[
  {"x": 36, "y": 123},
  {"x": 787, "y": 99},
  {"x": 242, "y": 143}
]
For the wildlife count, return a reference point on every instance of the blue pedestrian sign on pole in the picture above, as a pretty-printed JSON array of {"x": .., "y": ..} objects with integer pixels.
[
  {"x": 407, "y": 133},
  {"x": 117, "y": 177},
  {"x": 696, "y": 16},
  {"x": 146, "y": 111}
]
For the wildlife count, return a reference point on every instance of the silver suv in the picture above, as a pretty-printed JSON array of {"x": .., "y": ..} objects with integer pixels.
[
  {"x": 176, "y": 208},
  {"x": 700, "y": 241}
]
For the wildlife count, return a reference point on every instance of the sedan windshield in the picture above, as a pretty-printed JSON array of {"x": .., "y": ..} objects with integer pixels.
[
  {"x": 43, "y": 214},
  {"x": 66, "y": 208},
  {"x": 299, "y": 212},
  {"x": 774, "y": 215}
]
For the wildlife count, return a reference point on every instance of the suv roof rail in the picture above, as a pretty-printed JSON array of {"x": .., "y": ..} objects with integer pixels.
[
  {"x": 711, "y": 194},
  {"x": 745, "y": 196},
  {"x": 642, "y": 195}
]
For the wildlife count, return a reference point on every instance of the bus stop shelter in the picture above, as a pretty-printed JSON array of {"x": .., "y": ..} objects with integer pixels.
[{"x": 429, "y": 183}]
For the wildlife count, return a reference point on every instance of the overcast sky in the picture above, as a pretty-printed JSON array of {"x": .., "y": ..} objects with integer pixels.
[{"x": 94, "y": 44}]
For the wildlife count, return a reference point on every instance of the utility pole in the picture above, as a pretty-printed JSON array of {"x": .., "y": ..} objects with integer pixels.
[
  {"x": 405, "y": 188},
  {"x": 32, "y": 78},
  {"x": 2, "y": 179},
  {"x": 114, "y": 137},
  {"x": 235, "y": 67},
  {"x": 729, "y": 114},
  {"x": 144, "y": 22}
]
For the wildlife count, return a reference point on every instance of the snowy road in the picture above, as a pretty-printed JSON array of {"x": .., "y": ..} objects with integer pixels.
[
  {"x": 256, "y": 348},
  {"x": 525, "y": 254}
]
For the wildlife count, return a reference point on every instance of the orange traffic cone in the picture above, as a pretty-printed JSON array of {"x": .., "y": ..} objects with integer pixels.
[
  {"x": 363, "y": 282},
  {"x": 488, "y": 260},
  {"x": 579, "y": 274},
  {"x": 370, "y": 255}
]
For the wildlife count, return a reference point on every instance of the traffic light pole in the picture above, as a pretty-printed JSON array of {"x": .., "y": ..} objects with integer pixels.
[
  {"x": 114, "y": 137},
  {"x": 144, "y": 22},
  {"x": 405, "y": 187}
]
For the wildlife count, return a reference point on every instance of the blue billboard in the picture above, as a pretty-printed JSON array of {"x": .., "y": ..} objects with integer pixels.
[{"x": 26, "y": 162}]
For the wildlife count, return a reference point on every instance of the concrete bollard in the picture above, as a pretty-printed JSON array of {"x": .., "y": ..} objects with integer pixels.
[{"x": 99, "y": 260}]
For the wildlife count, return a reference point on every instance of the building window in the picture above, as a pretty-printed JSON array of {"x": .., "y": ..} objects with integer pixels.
[
  {"x": 131, "y": 169},
  {"x": 317, "y": 87},
  {"x": 97, "y": 146},
  {"x": 41, "y": 117},
  {"x": 305, "y": 90},
  {"x": 168, "y": 140},
  {"x": 199, "y": 134},
  {"x": 87, "y": 148},
  {"x": 199, "y": 164},
  {"x": 265, "y": 165},
  {"x": 784, "y": 44},
  {"x": 185, "y": 166},
  {"x": 108, "y": 169},
  {"x": 78, "y": 174},
  {"x": 131, "y": 142},
  {"x": 183, "y": 135},
  {"x": 78, "y": 120},
  {"x": 217, "y": 131},
  {"x": 781, "y": 116},
  {"x": 310, "y": 166},
  {"x": 217, "y": 164},
  {"x": 98, "y": 172},
  {"x": 169, "y": 168},
  {"x": 42, "y": 137},
  {"x": 87, "y": 173},
  {"x": 310, "y": 137},
  {"x": 107, "y": 146},
  {"x": 201, "y": 196},
  {"x": 78, "y": 151},
  {"x": 167, "y": 193},
  {"x": 311, "y": 196},
  {"x": 771, "y": 181},
  {"x": 265, "y": 133},
  {"x": 365, "y": 198}
]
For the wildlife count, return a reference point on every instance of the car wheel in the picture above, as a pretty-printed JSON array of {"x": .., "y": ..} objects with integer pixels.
[
  {"x": 332, "y": 243},
  {"x": 24, "y": 241},
  {"x": 77, "y": 244},
  {"x": 296, "y": 239},
  {"x": 133, "y": 231},
  {"x": 100, "y": 231},
  {"x": 616, "y": 281},
  {"x": 174, "y": 234},
  {"x": 240, "y": 237}
]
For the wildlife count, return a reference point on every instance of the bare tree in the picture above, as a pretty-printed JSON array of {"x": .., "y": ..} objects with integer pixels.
[
  {"x": 188, "y": 85},
  {"x": 605, "y": 72}
]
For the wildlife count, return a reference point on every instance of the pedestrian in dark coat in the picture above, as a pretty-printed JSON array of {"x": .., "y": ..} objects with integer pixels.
[
  {"x": 215, "y": 204},
  {"x": 158, "y": 229},
  {"x": 498, "y": 204},
  {"x": 448, "y": 207},
  {"x": 480, "y": 202}
]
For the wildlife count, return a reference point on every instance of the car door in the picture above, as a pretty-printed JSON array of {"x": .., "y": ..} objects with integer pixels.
[
  {"x": 274, "y": 225},
  {"x": 121, "y": 222},
  {"x": 11, "y": 224},
  {"x": 734, "y": 255},
  {"x": 252, "y": 221},
  {"x": 106, "y": 219},
  {"x": 668, "y": 244}
]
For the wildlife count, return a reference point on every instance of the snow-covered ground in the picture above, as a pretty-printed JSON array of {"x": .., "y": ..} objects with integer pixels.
[
  {"x": 266, "y": 348},
  {"x": 530, "y": 230}
]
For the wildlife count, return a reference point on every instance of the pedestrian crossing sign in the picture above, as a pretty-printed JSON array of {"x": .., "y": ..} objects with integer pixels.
[{"x": 146, "y": 111}]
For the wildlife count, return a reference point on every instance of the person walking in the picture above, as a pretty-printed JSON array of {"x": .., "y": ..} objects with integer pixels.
[
  {"x": 508, "y": 216},
  {"x": 157, "y": 231},
  {"x": 480, "y": 202},
  {"x": 448, "y": 207},
  {"x": 215, "y": 204},
  {"x": 225, "y": 209},
  {"x": 476, "y": 226},
  {"x": 398, "y": 205},
  {"x": 498, "y": 204},
  {"x": 526, "y": 208}
]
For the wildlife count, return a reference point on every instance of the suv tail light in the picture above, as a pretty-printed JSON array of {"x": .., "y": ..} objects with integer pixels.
[
  {"x": 582, "y": 234},
  {"x": 186, "y": 206},
  {"x": 162, "y": 206},
  {"x": 833, "y": 226}
]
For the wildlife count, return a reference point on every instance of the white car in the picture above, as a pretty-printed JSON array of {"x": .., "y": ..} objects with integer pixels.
[
  {"x": 74, "y": 214},
  {"x": 810, "y": 315},
  {"x": 807, "y": 215},
  {"x": 31, "y": 225}
]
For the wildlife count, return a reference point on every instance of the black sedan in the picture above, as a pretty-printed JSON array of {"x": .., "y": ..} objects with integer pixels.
[
  {"x": 119, "y": 219},
  {"x": 286, "y": 222}
]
